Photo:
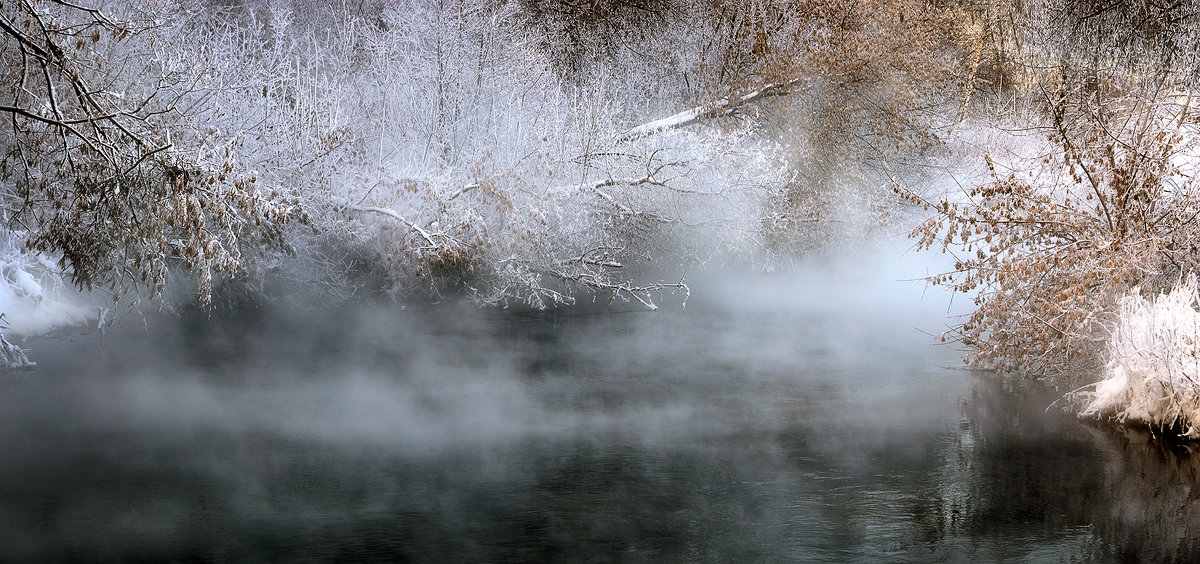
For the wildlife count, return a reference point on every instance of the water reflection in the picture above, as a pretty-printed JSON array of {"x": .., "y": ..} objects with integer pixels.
[
  {"x": 1098, "y": 493},
  {"x": 761, "y": 433}
]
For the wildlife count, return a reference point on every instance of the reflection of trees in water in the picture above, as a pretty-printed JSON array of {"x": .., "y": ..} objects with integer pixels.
[
  {"x": 1017, "y": 471},
  {"x": 530, "y": 438},
  {"x": 1154, "y": 515},
  {"x": 264, "y": 499}
]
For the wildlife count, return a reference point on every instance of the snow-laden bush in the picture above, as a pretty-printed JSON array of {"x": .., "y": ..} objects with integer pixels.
[
  {"x": 1153, "y": 375},
  {"x": 1048, "y": 245},
  {"x": 104, "y": 165}
]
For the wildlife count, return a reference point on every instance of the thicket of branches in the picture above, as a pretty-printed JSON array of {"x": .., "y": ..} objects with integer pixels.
[
  {"x": 522, "y": 152},
  {"x": 101, "y": 169},
  {"x": 860, "y": 90},
  {"x": 1048, "y": 245},
  {"x": 1106, "y": 199}
]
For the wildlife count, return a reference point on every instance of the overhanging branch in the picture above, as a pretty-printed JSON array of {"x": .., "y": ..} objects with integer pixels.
[{"x": 720, "y": 108}]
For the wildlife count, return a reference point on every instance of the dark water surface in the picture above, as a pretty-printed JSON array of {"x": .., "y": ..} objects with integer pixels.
[{"x": 745, "y": 429}]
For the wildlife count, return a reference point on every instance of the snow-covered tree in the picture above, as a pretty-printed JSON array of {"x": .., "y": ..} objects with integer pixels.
[{"x": 100, "y": 166}]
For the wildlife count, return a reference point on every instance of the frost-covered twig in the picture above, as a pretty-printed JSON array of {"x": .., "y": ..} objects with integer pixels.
[
  {"x": 594, "y": 262},
  {"x": 640, "y": 293},
  {"x": 11, "y": 356},
  {"x": 598, "y": 187}
]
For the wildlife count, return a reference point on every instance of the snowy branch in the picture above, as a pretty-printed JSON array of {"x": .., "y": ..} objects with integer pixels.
[
  {"x": 396, "y": 215},
  {"x": 720, "y": 108},
  {"x": 598, "y": 188},
  {"x": 641, "y": 293}
]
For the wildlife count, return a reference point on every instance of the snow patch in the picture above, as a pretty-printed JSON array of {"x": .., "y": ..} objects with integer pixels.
[
  {"x": 1153, "y": 375},
  {"x": 33, "y": 300}
]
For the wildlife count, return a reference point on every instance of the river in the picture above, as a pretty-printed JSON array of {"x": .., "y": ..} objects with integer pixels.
[{"x": 773, "y": 420}]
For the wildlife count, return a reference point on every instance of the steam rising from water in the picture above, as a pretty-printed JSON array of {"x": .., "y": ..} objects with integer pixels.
[
  {"x": 776, "y": 417},
  {"x": 426, "y": 379}
]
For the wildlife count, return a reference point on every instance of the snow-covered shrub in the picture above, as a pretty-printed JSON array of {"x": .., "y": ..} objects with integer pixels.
[
  {"x": 1153, "y": 372},
  {"x": 35, "y": 296},
  {"x": 1048, "y": 244},
  {"x": 101, "y": 161}
]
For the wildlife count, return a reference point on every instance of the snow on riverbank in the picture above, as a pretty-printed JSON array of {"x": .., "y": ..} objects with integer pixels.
[
  {"x": 1153, "y": 375},
  {"x": 33, "y": 301}
]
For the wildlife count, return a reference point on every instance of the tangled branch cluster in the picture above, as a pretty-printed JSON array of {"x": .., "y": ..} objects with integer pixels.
[
  {"x": 866, "y": 82},
  {"x": 1048, "y": 249},
  {"x": 87, "y": 165}
]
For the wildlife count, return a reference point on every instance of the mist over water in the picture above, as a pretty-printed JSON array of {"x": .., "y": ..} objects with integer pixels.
[{"x": 778, "y": 417}]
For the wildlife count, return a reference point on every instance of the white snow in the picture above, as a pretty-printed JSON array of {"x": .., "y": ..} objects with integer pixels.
[
  {"x": 31, "y": 304},
  {"x": 1153, "y": 375}
]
